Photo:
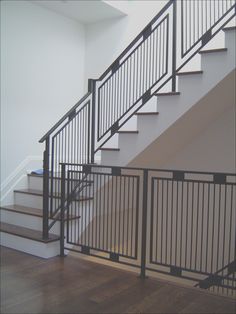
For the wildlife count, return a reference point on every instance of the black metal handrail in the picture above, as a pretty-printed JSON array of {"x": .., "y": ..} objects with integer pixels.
[
  {"x": 150, "y": 61},
  {"x": 66, "y": 116}
]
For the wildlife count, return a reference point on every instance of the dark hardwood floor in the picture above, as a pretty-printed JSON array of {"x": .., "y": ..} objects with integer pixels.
[{"x": 72, "y": 285}]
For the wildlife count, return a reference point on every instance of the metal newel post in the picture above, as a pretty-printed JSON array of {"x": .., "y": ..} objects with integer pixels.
[
  {"x": 63, "y": 199},
  {"x": 92, "y": 89},
  {"x": 144, "y": 225},
  {"x": 174, "y": 48},
  {"x": 46, "y": 189}
]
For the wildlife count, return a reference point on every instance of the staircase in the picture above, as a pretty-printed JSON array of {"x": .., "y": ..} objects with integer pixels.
[
  {"x": 21, "y": 222},
  {"x": 35, "y": 222},
  {"x": 164, "y": 110}
]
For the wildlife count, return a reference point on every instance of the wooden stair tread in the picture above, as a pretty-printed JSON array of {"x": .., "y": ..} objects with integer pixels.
[
  {"x": 23, "y": 210},
  {"x": 213, "y": 50},
  {"x": 147, "y": 113},
  {"x": 109, "y": 149},
  {"x": 40, "y": 193},
  {"x": 189, "y": 73},
  {"x": 128, "y": 132},
  {"x": 167, "y": 94},
  {"x": 27, "y": 233}
]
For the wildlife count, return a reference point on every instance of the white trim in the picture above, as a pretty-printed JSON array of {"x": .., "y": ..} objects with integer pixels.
[{"x": 18, "y": 178}]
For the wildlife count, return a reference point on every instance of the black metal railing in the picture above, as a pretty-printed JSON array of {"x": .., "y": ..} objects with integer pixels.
[
  {"x": 178, "y": 223},
  {"x": 151, "y": 61}
]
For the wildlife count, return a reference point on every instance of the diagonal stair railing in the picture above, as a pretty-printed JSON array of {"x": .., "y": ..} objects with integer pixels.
[{"x": 173, "y": 37}]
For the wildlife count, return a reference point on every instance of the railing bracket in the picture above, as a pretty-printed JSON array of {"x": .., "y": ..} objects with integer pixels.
[
  {"x": 114, "y": 257},
  {"x": 176, "y": 271}
]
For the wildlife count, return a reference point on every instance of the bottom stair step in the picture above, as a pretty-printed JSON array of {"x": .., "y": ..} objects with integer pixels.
[{"x": 27, "y": 233}]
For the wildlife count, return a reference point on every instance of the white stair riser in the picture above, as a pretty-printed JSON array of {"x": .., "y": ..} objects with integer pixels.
[
  {"x": 230, "y": 42},
  {"x": 35, "y": 183},
  {"x": 27, "y": 221},
  {"x": 150, "y": 106},
  {"x": 40, "y": 249},
  {"x": 28, "y": 200},
  {"x": 110, "y": 158}
]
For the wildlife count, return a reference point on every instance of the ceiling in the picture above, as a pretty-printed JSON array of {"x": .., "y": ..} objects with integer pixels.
[{"x": 84, "y": 11}]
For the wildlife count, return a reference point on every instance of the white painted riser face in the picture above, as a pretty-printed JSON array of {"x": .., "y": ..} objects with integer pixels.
[
  {"x": 215, "y": 66},
  {"x": 27, "y": 221},
  {"x": 35, "y": 183},
  {"x": 35, "y": 201},
  {"x": 44, "y": 250},
  {"x": 28, "y": 200}
]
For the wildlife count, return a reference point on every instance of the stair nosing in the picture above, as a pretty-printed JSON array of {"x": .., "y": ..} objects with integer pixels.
[
  {"x": 128, "y": 132},
  {"x": 109, "y": 149},
  {"x": 168, "y": 94},
  {"x": 213, "y": 50},
  {"x": 37, "y": 238},
  {"x": 189, "y": 73},
  {"x": 21, "y": 210},
  {"x": 146, "y": 113}
]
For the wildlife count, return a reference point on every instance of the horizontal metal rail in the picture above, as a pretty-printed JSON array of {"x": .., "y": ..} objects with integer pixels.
[{"x": 179, "y": 223}]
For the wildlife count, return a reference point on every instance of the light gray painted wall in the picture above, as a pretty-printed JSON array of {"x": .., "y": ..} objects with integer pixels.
[
  {"x": 214, "y": 149},
  {"x": 42, "y": 76},
  {"x": 106, "y": 40}
]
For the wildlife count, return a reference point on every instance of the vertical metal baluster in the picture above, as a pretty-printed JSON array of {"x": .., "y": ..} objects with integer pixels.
[
  {"x": 62, "y": 216},
  {"x": 144, "y": 224},
  {"x": 196, "y": 242},
  {"x": 46, "y": 188},
  {"x": 162, "y": 215},
  {"x": 132, "y": 219},
  {"x": 119, "y": 228},
  {"x": 207, "y": 225},
  {"x": 224, "y": 224},
  {"x": 159, "y": 188},
  {"x": 115, "y": 229},
  {"x": 186, "y": 234},
  {"x": 181, "y": 222},
  {"x": 128, "y": 209},
  {"x": 218, "y": 238},
  {"x": 123, "y": 222},
  {"x": 137, "y": 215},
  {"x": 152, "y": 223},
  {"x": 213, "y": 229},
  {"x": 167, "y": 217},
  {"x": 191, "y": 245},
  {"x": 112, "y": 209},
  {"x": 176, "y": 225},
  {"x": 108, "y": 210},
  {"x": 202, "y": 227}
]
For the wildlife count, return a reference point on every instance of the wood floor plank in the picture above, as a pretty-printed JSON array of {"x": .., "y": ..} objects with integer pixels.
[{"x": 73, "y": 285}]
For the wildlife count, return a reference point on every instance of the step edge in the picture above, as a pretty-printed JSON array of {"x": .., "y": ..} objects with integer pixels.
[
  {"x": 21, "y": 211},
  {"x": 217, "y": 50},
  {"x": 25, "y": 236},
  {"x": 189, "y": 73}
]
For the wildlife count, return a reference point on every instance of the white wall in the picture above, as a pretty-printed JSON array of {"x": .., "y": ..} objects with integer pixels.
[
  {"x": 106, "y": 40},
  {"x": 42, "y": 76}
]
